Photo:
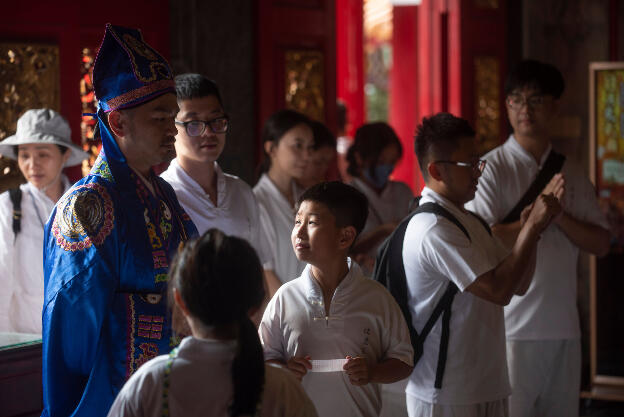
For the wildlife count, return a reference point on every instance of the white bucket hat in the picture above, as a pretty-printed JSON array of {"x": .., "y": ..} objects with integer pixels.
[{"x": 43, "y": 126}]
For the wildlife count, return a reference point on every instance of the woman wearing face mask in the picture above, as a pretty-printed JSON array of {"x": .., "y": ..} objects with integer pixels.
[
  {"x": 371, "y": 159},
  {"x": 42, "y": 146},
  {"x": 288, "y": 143}
]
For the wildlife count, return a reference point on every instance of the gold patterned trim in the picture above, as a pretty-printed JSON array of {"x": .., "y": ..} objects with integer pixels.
[
  {"x": 138, "y": 93},
  {"x": 130, "y": 44},
  {"x": 83, "y": 218}
]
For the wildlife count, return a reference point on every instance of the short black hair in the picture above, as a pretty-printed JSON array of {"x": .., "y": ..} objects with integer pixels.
[
  {"x": 370, "y": 140},
  {"x": 347, "y": 204},
  {"x": 189, "y": 86},
  {"x": 322, "y": 135},
  {"x": 545, "y": 78},
  {"x": 439, "y": 136}
]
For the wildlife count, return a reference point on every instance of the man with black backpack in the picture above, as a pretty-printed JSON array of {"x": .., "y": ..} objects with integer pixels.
[
  {"x": 458, "y": 277},
  {"x": 542, "y": 328}
]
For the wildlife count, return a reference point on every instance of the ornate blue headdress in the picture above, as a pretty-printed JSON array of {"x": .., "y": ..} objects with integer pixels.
[{"x": 127, "y": 71}]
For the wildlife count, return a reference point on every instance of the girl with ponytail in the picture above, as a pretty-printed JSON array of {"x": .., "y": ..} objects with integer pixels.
[{"x": 219, "y": 371}]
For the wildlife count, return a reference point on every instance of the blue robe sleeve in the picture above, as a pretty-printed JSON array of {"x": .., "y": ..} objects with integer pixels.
[{"x": 81, "y": 265}]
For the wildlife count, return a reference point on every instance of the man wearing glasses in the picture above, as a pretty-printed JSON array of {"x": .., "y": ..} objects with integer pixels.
[
  {"x": 462, "y": 371},
  {"x": 212, "y": 198},
  {"x": 543, "y": 334}
]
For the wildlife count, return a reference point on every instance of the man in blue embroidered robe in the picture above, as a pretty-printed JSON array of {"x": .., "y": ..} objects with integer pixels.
[{"x": 111, "y": 238}]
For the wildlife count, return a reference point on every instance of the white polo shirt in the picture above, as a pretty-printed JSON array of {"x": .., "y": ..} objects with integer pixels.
[
  {"x": 21, "y": 260},
  {"x": 277, "y": 218},
  {"x": 200, "y": 384},
  {"x": 548, "y": 309},
  {"x": 236, "y": 213},
  {"x": 364, "y": 320},
  {"x": 434, "y": 252},
  {"x": 392, "y": 205}
]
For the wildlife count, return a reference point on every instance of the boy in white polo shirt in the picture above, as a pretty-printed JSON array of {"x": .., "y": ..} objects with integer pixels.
[
  {"x": 438, "y": 254},
  {"x": 341, "y": 333},
  {"x": 212, "y": 198}
]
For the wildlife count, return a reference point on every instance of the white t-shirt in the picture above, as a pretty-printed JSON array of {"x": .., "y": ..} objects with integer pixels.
[
  {"x": 236, "y": 213},
  {"x": 364, "y": 320},
  {"x": 392, "y": 205},
  {"x": 21, "y": 260},
  {"x": 434, "y": 252},
  {"x": 277, "y": 218},
  {"x": 548, "y": 309},
  {"x": 200, "y": 384}
]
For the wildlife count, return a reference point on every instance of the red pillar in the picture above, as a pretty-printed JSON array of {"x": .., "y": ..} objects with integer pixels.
[
  {"x": 350, "y": 59},
  {"x": 404, "y": 114}
]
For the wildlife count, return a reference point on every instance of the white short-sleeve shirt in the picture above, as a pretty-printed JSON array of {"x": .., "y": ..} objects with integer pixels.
[
  {"x": 364, "y": 320},
  {"x": 21, "y": 260},
  {"x": 392, "y": 205},
  {"x": 548, "y": 309},
  {"x": 236, "y": 213},
  {"x": 200, "y": 384},
  {"x": 277, "y": 218},
  {"x": 434, "y": 252}
]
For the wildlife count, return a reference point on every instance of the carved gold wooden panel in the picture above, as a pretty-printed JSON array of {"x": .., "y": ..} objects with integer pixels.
[
  {"x": 87, "y": 98},
  {"x": 487, "y": 101},
  {"x": 305, "y": 83},
  {"x": 29, "y": 79}
]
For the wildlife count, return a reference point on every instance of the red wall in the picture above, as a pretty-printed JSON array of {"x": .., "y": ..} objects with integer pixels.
[
  {"x": 350, "y": 60},
  {"x": 404, "y": 112}
]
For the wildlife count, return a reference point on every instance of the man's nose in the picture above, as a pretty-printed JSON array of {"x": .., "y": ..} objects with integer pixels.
[{"x": 172, "y": 130}]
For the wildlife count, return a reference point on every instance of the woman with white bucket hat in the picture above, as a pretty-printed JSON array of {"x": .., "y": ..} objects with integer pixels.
[{"x": 42, "y": 146}]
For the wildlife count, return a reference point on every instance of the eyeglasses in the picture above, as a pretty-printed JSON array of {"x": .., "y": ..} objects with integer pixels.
[
  {"x": 198, "y": 127},
  {"x": 516, "y": 101},
  {"x": 478, "y": 165}
]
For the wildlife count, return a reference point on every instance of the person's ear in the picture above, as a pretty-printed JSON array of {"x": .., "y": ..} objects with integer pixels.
[
  {"x": 177, "y": 297},
  {"x": 434, "y": 171},
  {"x": 117, "y": 123},
  {"x": 346, "y": 237},
  {"x": 269, "y": 146},
  {"x": 66, "y": 156}
]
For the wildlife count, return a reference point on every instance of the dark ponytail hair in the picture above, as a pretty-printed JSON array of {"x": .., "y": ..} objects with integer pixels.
[
  {"x": 220, "y": 279},
  {"x": 275, "y": 127},
  {"x": 370, "y": 140}
]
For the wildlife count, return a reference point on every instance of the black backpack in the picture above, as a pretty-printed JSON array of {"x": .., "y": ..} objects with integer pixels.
[{"x": 390, "y": 272}]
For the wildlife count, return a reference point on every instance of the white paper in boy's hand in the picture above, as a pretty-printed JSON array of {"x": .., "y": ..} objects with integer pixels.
[{"x": 329, "y": 365}]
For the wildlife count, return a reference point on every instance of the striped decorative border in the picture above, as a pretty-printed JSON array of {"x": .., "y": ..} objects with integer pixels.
[{"x": 140, "y": 92}]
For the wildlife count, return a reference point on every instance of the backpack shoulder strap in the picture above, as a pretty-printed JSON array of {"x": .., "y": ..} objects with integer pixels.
[
  {"x": 441, "y": 211},
  {"x": 15, "y": 194},
  {"x": 552, "y": 165},
  {"x": 390, "y": 270}
]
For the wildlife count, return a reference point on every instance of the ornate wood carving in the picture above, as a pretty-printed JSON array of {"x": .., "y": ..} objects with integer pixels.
[
  {"x": 29, "y": 79},
  {"x": 487, "y": 99},
  {"x": 305, "y": 84}
]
